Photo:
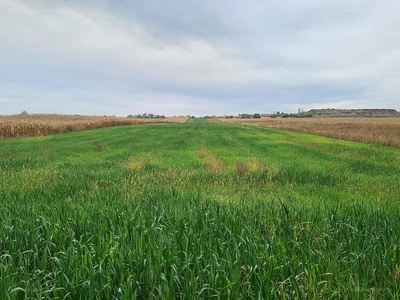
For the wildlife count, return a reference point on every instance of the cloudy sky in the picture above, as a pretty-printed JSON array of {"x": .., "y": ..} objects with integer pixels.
[{"x": 198, "y": 57}]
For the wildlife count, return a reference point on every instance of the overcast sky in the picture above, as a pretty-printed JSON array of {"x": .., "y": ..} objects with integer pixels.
[{"x": 198, "y": 57}]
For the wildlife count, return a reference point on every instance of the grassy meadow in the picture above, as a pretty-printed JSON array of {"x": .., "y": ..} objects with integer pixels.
[{"x": 196, "y": 211}]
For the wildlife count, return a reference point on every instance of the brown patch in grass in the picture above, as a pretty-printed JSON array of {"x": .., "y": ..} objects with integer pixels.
[
  {"x": 212, "y": 163},
  {"x": 201, "y": 154},
  {"x": 241, "y": 167},
  {"x": 254, "y": 165}
]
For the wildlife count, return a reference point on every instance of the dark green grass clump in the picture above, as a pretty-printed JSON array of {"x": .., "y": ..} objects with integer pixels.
[{"x": 198, "y": 210}]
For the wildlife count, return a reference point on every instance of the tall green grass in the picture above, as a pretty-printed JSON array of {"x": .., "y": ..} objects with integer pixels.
[{"x": 141, "y": 213}]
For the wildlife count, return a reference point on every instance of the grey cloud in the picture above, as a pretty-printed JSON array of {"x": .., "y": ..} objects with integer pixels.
[{"x": 197, "y": 57}]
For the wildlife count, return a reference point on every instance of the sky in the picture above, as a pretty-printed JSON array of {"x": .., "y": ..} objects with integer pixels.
[{"x": 198, "y": 57}]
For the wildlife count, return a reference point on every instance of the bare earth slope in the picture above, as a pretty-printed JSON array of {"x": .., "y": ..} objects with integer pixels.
[{"x": 340, "y": 113}]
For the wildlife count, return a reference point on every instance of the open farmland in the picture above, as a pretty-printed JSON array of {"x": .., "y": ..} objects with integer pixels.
[
  {"x": 198, "y": 210},
  {"x": 35, "y": 125},
  {"x": 383, "y": 131}
]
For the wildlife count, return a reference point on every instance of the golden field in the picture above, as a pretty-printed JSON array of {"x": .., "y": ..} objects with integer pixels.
[
  {"x": 13, "y": 126},
  {"x": 383, "y": 131}
]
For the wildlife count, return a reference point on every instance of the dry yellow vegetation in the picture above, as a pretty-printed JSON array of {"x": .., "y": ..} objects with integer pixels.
[
  {"x": 40, "y": 124},
  {"x": 383, "y": 131}
]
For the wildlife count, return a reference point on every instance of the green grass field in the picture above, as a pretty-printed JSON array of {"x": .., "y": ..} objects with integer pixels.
[{"x": 196, "y": 211}]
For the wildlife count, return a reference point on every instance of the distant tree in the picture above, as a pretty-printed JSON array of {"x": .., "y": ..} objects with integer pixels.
[
  {"x": 257, "y": 116},
  {"x": 24, "y": 113},
  {"x": 148, "y": 116}
]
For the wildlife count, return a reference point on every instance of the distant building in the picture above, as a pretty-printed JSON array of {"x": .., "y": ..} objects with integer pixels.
[
  {"x": 256, "y": 115},
  {"x": 266, "y": 115}
]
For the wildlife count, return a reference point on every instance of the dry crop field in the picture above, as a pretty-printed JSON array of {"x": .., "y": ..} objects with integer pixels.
[
  {"x": 41, "y": 124},
  {"x": 383, "y": 131}
]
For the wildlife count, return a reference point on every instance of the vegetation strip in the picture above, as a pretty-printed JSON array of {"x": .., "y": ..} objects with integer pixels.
[
  {"x": 25, "y": 124},
  {"x": 382, "y": 131}
]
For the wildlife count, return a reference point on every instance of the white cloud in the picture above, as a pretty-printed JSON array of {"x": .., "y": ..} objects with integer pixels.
[
  {"x": 104, "y": 41},
  {"x": 291, "y": 55}
]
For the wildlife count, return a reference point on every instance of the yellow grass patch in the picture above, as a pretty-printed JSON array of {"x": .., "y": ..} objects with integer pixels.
[
  {"x": 241, "y": 167},
  {"x": 202, "y": 154},
  {"x": 253, "y": 164},
  {"x": 212, "y": 163},
  {"x": 138, "y": 164}
]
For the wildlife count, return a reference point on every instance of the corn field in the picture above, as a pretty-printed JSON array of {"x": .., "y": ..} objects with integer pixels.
[{"x": 36, "y": 125}]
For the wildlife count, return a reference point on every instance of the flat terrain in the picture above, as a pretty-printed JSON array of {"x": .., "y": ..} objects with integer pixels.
[
  {"x": 23, "y": 125},
  {"x": 198, "y": 210},
  {"x": 383, "y": 131}
]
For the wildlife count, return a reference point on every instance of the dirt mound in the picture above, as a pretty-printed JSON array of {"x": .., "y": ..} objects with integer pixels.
[{"x": 340, "y": 113}]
